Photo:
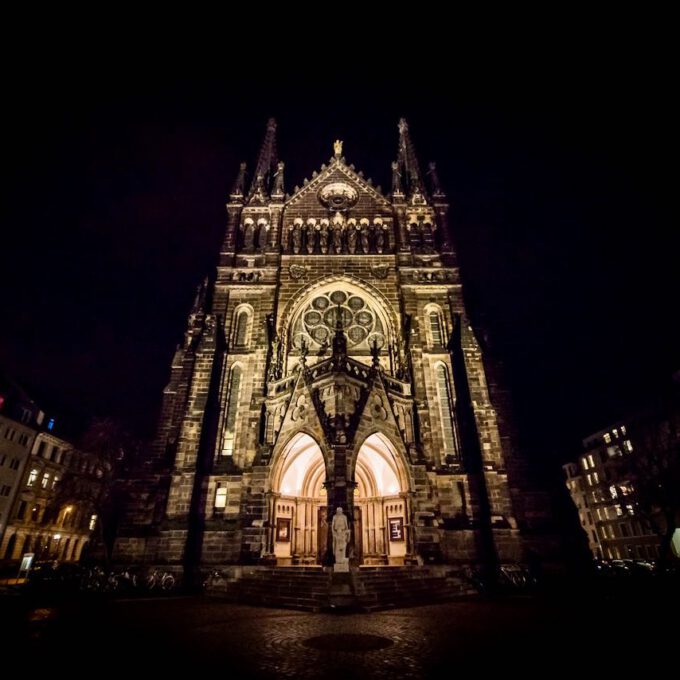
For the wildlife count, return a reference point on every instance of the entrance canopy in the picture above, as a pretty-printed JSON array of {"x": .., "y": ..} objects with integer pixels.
[{"x": 302, "y": 470}]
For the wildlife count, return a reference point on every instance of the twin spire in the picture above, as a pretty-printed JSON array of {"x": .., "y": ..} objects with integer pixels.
[{"x": 267, "y": 180}]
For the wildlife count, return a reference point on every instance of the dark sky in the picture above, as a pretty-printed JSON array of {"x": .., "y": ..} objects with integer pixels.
[{"x": 559, "y": 179}]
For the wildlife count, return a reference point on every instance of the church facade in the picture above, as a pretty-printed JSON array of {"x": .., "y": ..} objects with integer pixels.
[{"x": 330, "y": 364}]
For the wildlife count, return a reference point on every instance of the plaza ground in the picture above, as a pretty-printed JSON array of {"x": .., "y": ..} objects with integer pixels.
[{"x": 531, "y": 635}]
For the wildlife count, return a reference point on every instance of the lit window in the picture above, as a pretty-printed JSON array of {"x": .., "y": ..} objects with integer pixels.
[
  {"x": 590, "y": 480},
  {"x": 584, "y": 462},
  {"x": 619, "y": 510},
  {"x": 221, "y": 497},
  {"x": 45, "y": 480},
  {"x": 232, "y": 411},
  {"x": 596, "y": 479},
  {"x": 241, "y": 332},
  {"x": 607, "y": 438},
  {"x": 55, "y": 481},
  {"x": 50, "y": 424},
  {"x": 616, "y": 433},
  {"x": 631, "y": 509},
  {"x": 612, "y": 490},
  {"x": 623, "y": 430},
  {"x": 32, "y": 476},
  {"x": 628, "y": 446},
  {"x": 93, "y": 522},
  {"x": 591, "y": 462},
  {"x": 445, "y": 410},
  {"x": 436, "y": 329}
]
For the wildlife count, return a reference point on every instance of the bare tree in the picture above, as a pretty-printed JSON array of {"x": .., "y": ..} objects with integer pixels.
[{"x": 655, "y": 467}]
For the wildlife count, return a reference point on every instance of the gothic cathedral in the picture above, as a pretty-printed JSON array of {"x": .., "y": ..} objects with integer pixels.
[{"x": 330, "y": 364}]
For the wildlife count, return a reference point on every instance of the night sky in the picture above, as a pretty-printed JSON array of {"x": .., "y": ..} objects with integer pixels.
[{"x": 113, "y": 210}]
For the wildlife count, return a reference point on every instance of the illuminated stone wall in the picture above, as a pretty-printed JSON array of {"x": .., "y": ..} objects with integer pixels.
[{"x": 242, "y": 384}]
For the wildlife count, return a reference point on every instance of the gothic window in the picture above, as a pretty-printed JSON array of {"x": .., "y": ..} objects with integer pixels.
[
  {"x": 436, "y": 329},
  {"x": 232, "y": 411},
  {"x": 318, "y": 320},
  {"x": 241, "y": 331},
  {"x": 446, "y": 410},
  {"x": 220, "y": 498}
]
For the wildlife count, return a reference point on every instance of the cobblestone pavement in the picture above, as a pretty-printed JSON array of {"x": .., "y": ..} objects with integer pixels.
[{"x": 161, "y": 636}]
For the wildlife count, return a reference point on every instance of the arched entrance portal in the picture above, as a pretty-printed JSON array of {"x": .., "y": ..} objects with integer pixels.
[{"x": 299, "y": 529}]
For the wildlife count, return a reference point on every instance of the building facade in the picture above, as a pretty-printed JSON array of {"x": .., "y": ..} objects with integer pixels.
[
  {"x": 604, "y": 495},
  {"x": 39, "y": 514},
  {"x": 330, "y": 364},
  {"x": 44, "y": 520},
  {"x": 626, "y": 483},
  {"x": 16, "y": 441}
]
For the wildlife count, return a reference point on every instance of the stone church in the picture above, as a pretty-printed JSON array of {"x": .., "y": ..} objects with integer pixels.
[{"x": 329, "y": 363}]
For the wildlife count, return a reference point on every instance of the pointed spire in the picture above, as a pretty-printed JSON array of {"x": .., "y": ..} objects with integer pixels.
[
  {"x": 266, "y": 161},
  {"x": 199, "y": 299},
  {"x": 237, "y": 191},
  {"x": 409, "y": 161},
  {"x": 277, "y": 188},
  {"x": 435, "y": 184}
]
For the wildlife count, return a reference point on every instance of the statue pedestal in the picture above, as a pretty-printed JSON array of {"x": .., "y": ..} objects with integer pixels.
[{"x": 341, "y": 566}]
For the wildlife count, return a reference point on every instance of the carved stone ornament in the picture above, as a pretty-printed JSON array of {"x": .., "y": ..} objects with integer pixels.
[
  {"x": 338, "y": 196},
  {"x": 380, "y": 271},
  {"x": 297, "y": 271}
]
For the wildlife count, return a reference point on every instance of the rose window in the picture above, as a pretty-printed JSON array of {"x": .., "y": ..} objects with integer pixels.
[{"x": 318, "y": 321}]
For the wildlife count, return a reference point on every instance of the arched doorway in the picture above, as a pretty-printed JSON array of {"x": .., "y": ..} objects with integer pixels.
[
  {"x": 381, "y": 503},
  {"x": 299, "y": 530}
]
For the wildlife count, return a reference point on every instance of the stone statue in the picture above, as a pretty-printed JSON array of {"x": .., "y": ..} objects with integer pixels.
[
  {"x": 340, "y": 529},
  {"x": 262, "y": 234},
  {"x": 297, "y": 239},
  {"x": 396, "y": 178},
  {"x": 311, "y": 238},
  {"x": 379, "y": 239},
  {"x": 364, "y": 238},
  {"x": 352, "y": 239},
  {"x": 323, "y": 240},
  {"x": 337, "y": 148},
  {"x": 337, "y": 239},
  {"x": 249, "y": 236},
  {"x": 278, "y": 180}
]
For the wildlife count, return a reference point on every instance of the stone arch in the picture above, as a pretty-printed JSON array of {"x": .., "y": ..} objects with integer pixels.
[
  {"x": 379, "y": 305},
  {"x": 233, "y": 390},
  {"x": 242, "y": 326},
  {"x": 297, "y": 501},
  {"x": 435, "y": 325},
  {"x": 443, "y": 385},
  {"x": 382, "y": 502},
  {"x": 285, "y": 453},
  {"x": 393, "y": 454}
]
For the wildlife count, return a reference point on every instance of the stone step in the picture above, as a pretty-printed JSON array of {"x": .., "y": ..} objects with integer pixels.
[{"x": 368, "y": 589}]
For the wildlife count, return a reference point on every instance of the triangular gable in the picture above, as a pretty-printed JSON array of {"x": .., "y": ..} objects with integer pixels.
[
  {"x": 378, "y": 416},
  {"x": 301, "y": 415},
  {"x": 338, "y": 171}
]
